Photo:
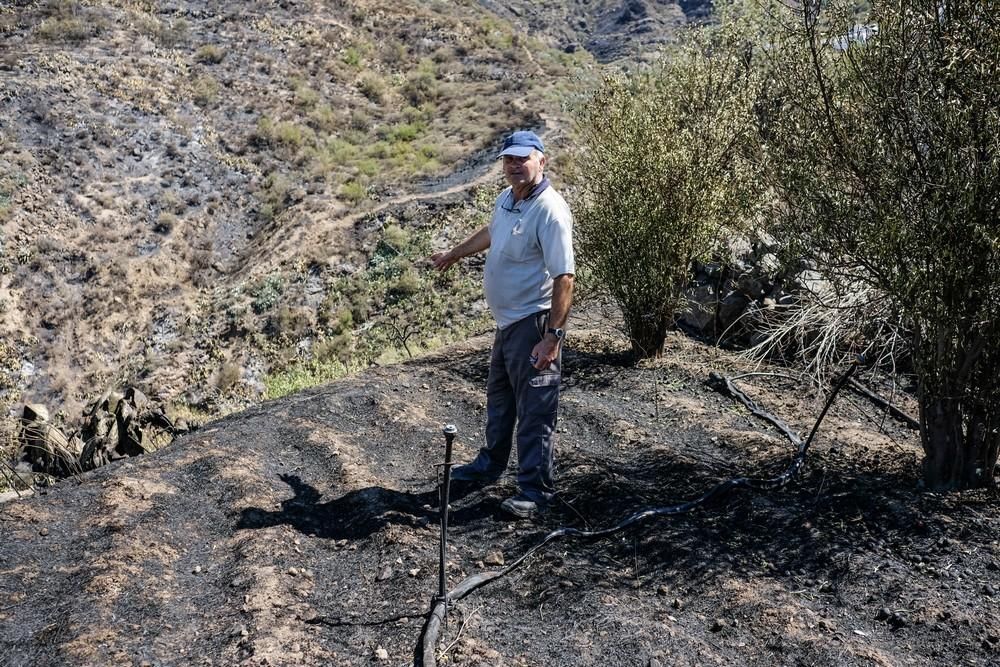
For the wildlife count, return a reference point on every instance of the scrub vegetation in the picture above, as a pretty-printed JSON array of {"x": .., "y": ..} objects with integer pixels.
[
  {"x": 872, "y": 134},
  {"x": 183, "y": 188},
  {"x": 388, "y": 311},
  {"x": 667, "y": 154}
]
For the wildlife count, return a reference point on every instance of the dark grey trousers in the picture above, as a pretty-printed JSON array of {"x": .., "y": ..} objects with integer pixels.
[{"x": 518, "y": 393}]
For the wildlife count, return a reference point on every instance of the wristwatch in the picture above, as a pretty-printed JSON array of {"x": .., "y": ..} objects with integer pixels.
[{"x": 558, "y": 333}]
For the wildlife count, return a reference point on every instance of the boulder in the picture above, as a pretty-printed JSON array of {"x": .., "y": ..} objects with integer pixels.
[{"x": 42, "y": 445}]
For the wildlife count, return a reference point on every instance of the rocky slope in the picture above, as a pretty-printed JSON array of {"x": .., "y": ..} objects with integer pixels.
[
  {"x": 160, "y": 161},
  {"x": 608, "y": 29},
  {"x": 184, "y": 186}
]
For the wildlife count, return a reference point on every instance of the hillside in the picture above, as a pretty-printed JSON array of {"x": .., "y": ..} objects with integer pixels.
[
  {"x": 221, "y": 203},
  {"x": 188, "y": 194},
  {"x": 303, "y": 532},
  {"x": 230, "y": 205}
]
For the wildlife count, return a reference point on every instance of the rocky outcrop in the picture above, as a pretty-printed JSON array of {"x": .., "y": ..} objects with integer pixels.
[
  {"x": 731, "y": 300},
  {"x": 117, "y": 426},
  {"x": 609, "y": 29}
]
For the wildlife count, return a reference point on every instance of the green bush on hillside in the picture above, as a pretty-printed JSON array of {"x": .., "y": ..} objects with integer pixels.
[
  {"x": 266, "y": 294},
  {"x": 65, "y": 29},
  {"x": 209, "y": 54},
  {"x": 665, "y": 175},
  {"x": 390, "y": 309},
  {"x": 204, "y": 91}
]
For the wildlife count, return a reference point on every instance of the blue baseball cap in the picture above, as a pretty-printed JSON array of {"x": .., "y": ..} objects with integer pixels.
[{"x": 521, "y": 143}]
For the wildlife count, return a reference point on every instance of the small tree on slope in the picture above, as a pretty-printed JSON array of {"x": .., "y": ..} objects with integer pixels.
[
  {"x": 885, "y": 147},
  {"x": 663, "y": 175}
]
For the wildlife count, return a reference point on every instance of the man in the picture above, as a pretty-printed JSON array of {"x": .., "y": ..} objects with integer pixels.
[{"x": 528, "y": 282}]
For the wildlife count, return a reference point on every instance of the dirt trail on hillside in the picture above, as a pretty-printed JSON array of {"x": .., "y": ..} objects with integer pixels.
[
  {"x": 303, "y": 532},
  {"x": 326, "y": 222}
]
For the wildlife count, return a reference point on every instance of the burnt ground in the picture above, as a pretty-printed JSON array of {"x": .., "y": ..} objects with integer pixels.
[{"x": 300, "y": 531}]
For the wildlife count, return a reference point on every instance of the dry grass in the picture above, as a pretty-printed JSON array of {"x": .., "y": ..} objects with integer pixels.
[
  {"x": 830, "y": 325},
  {"x": 209, "y": 54}
]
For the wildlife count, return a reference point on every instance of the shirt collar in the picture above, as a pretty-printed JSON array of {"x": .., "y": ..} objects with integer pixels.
[
  {"x": 535, "y": 191},
  {"x": 538, "y": 189}
]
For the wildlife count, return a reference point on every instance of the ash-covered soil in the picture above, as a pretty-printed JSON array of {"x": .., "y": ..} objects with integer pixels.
[{"x": 304, "y": 532}]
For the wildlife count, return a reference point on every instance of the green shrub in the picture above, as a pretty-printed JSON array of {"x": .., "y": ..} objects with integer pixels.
[
  {"x": 423, "y": 160},
  {"x": 65, "y": 29},
  {"x": 884, "y": 153},
  {"x": 275, "y": 193},
  {"x": 496, "y": 34},
  {"x": 443, "y": 54},
  {"x": 291, "y": 134},
  {"x": 305, "y": 96},
  {"x": 366, "y": 167},
  {"x": 209, "y": 54},
  {"x": 293, "y": 321},
  {"x": 407, "y": 285},
  {"x": 394, "y": 53},
  {"x": 353, "y": 191},
  {"x": 421, "y": 85},
  {"x": 380, "y": 150},
  {"x": 352, "y": 57},
  {"x": 341, "y": 151},
  {"x": 264, "y": 129},
  {"x": 204, "y": 91},
  {"x": 302, "y": 376},
  {"x": 395, "y": 239},
  {"x": 359, "y": 121},
  {"x": 324, "y": 117},
  {"x": 373, "y": 87},
  {"x": 284, "y": 133},
  {"x": 404, "y": 132},
  {"x": 421, "y": 115},
  {"x": 339, "y": 345},
  {"x": 266, "y": 212},
  {"x": 663, "y": 174},
  {"x": 352, "y": 296},
  {"x": 266, "y": 293}
]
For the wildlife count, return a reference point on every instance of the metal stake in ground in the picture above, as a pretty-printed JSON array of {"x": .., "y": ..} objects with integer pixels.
[{"x": 449, "y": 437}]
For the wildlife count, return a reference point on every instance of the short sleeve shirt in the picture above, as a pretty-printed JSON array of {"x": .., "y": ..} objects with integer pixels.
[{"x": 530, "y": 244}]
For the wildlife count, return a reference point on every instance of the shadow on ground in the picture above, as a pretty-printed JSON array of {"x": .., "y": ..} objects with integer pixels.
[
  {"x": 361, "y": 513},
  {"x": 811, "y": 527}
]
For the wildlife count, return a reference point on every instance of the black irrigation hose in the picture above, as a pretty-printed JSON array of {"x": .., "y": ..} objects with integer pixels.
[
  {"x": 881, "y": 402},
  {"x": 425, "y": 649}
]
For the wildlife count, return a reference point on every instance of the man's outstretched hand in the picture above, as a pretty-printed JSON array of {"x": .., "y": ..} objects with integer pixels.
[
  {"x": 478, "y": 242},
  {"x": 442, "y": 261}
]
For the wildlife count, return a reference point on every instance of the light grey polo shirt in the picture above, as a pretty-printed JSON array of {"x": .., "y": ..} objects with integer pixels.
[{"x": 529, "y": 246}]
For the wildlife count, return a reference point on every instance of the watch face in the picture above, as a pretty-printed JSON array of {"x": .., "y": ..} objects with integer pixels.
[{"x": 558, "y": 333}]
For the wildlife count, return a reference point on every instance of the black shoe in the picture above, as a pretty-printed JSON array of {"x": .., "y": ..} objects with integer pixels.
[
  {"x": 469, "y": 473},
  {"x": 523, "y": 506}
]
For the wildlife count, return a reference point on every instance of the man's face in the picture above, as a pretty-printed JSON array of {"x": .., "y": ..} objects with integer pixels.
[{"x": 523, "y": 171}]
